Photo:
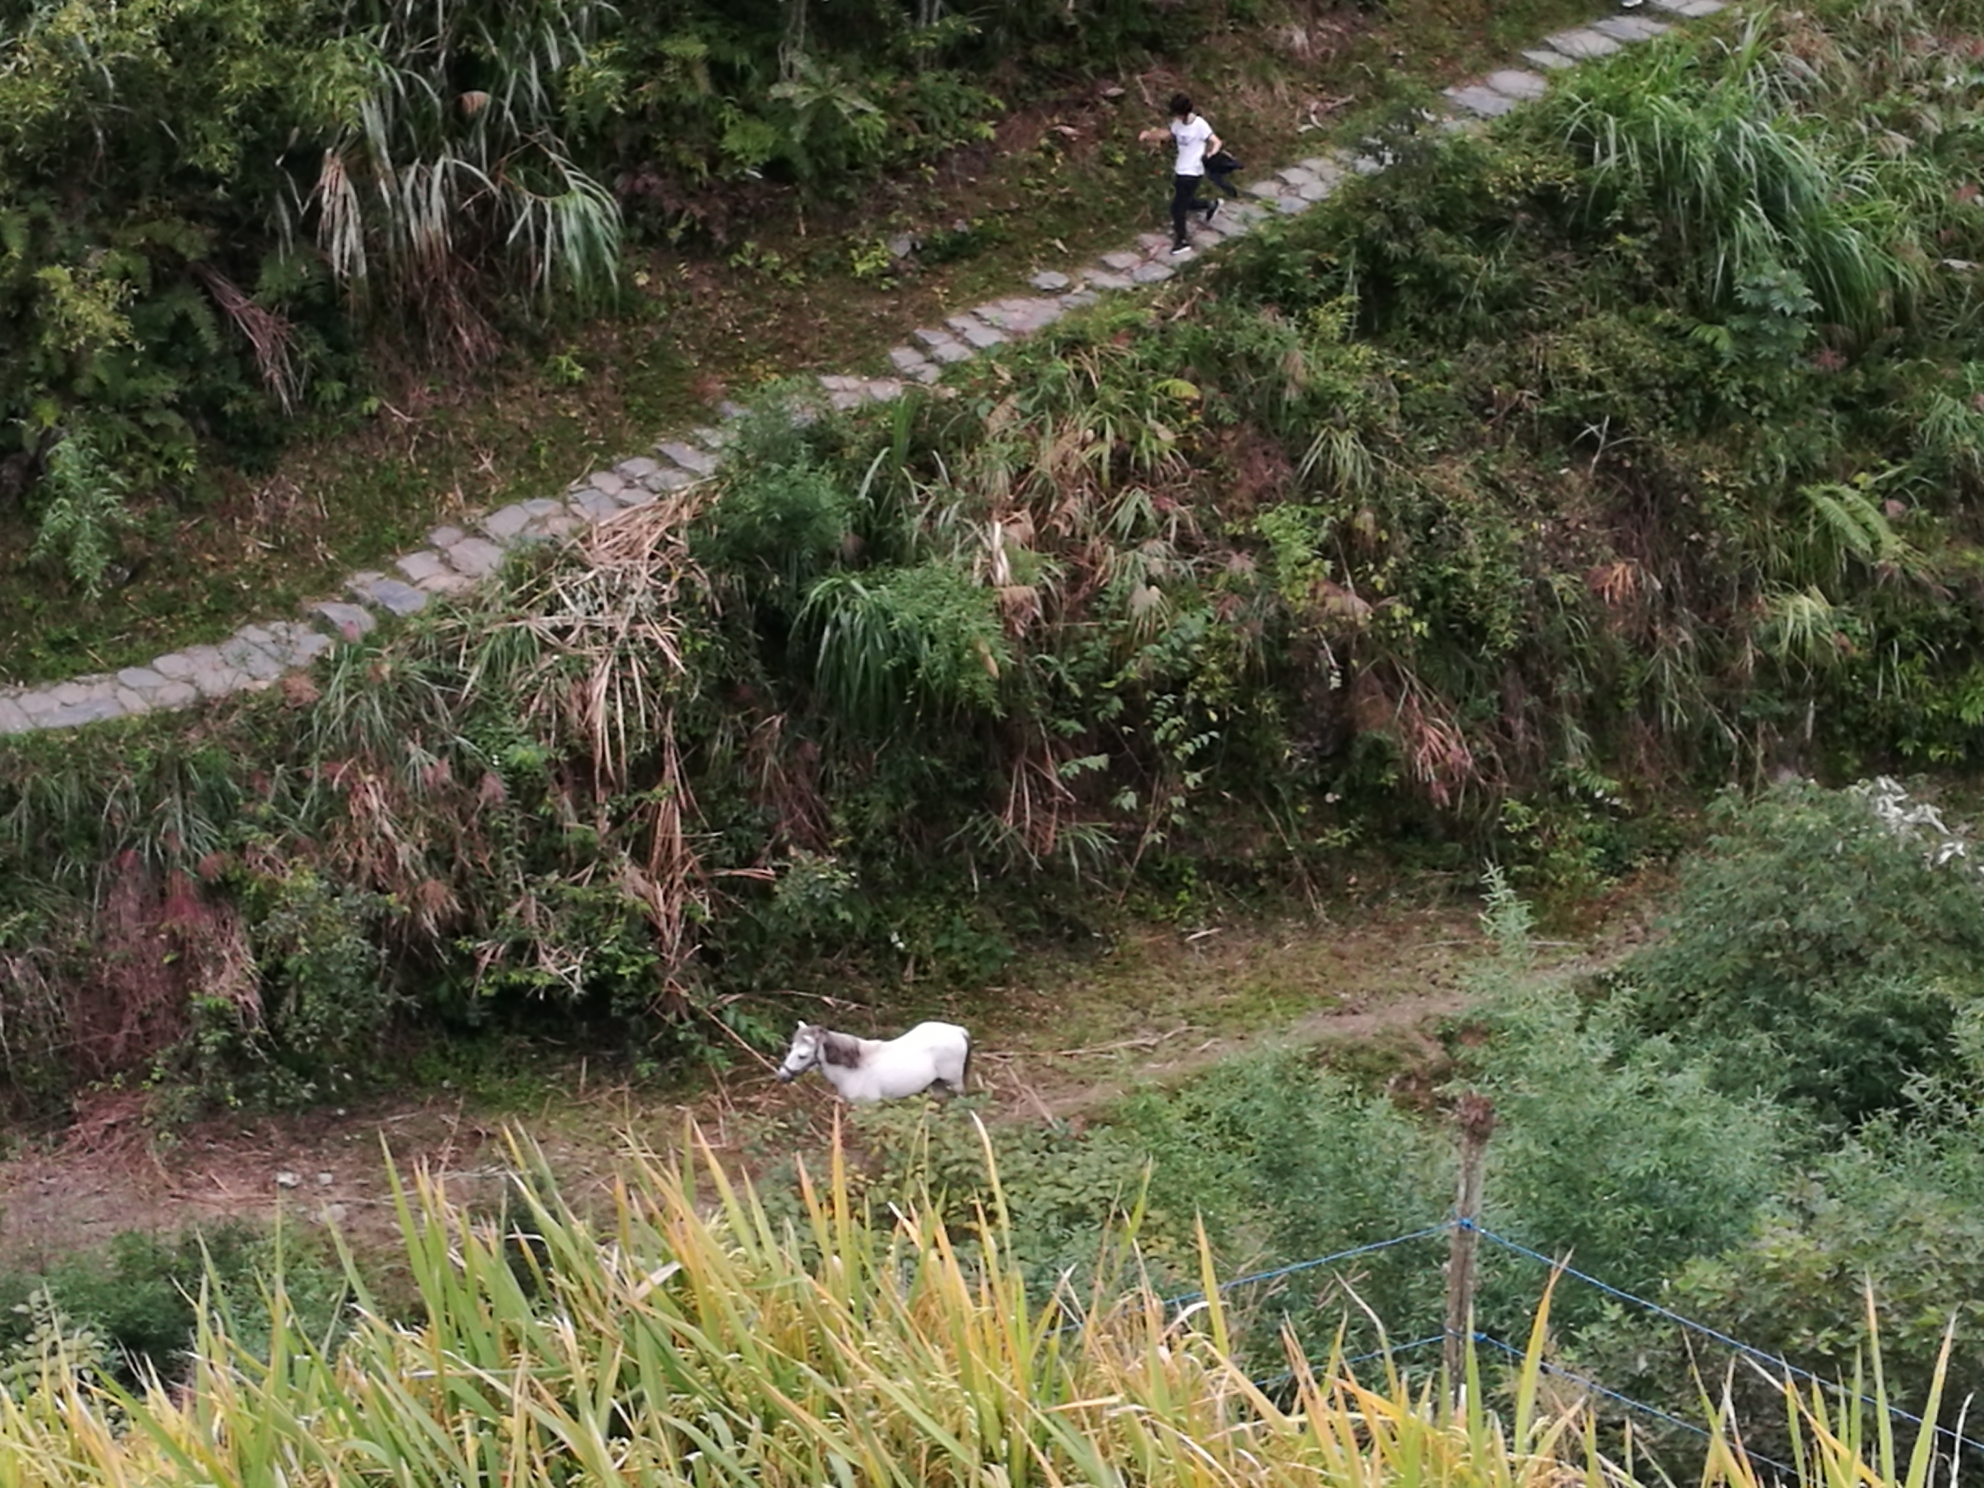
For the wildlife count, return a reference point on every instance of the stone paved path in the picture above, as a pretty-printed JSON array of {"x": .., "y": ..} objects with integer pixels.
[{"x": 453, "y": 558}]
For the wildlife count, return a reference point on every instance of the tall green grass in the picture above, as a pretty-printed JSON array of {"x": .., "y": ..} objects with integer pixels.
[{"x": 682, "y": 1336}]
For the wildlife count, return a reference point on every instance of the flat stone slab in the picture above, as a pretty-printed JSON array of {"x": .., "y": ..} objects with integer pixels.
[
  {"x": 423, "y": 564},
  {"x": 1021, "y": 315},
  {"x": 950, "y": 353},
  {"x": 1265, "y": 190},
  {"x": 1631, "y": 28},
  {"x": 984, "y": 337},
  {"x": 1296, "y": 175},
  {"x": 1311, "y": 191},
  {"x": 1053, "y": 281},
  {"x": 506, "y": 524},
  {"x": 1110, "y": 280},
  {"x": 1289, "y": 206},
  {"x": 595, "y": 505},
  {"x": 388, "y": 594},
  {"x": 140, "y": 679},
  {"x": 179, "y": 666},
  {"x": 1551, "y": 60},
  {"x": 211, "y": 675},
  {"x": 1583, "y": 43},
  {"x": 253, "y": 659},
  {"x": 90, "y": 710},
  {"x": 552, "y": 524},
  {"x": 688, "y": 456},
  {"x": 475, "y": 557},
  {"x": 928, "y": 373},
  {"x": 345, "y": 621},
  {"x": 930, "y": 337},
  {"x": 1080, "y": 299},
  {"x": 445, "y": 537},
  {"x": 1122, "y": 262},
  {"x": 1517, "y": 83},
  {"x": 13, "y": 717},
  {"x": 1477, "y": 99},
  {"x": 1153, "y": 273},
  {"x": 1691, "y": 9},
  {"x": 906, "y": 358},
  {"x": 864, "y": 390},
  {"x": 273, "y": 638},
  {"x": 612, "y": 482},
  {"x": 665, "y": 479},
  {"x": 637, "y": 467}
]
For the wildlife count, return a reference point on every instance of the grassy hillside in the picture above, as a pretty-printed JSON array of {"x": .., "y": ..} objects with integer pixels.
[
  {"x": 257, "y": 386},
  {"x": 1624, "y": 450}
]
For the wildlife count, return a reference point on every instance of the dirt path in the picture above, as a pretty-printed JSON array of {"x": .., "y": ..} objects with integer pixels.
[{"x": 1157, "y": 1005}]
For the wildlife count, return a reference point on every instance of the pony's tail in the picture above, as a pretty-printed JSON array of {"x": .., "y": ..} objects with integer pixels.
[{"x": 964, "y": 1078}]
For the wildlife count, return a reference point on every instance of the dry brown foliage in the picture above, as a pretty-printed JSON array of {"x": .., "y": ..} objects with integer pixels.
[{"x": 160, "y": 943}]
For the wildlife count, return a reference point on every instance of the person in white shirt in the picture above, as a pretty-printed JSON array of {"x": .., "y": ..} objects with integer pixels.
[{"x": 1195, "y": 141}]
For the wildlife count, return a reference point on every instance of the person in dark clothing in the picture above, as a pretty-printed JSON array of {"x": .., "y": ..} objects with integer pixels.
[
  {"x": 1221, "y": 169},
  {"x": 1195, "y": 140}
]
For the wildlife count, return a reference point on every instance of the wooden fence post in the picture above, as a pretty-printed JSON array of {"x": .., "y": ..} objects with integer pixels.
[{"x": 1475, "y": 1116}]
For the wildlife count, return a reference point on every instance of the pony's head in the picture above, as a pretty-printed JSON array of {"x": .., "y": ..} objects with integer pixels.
[{"x": 803, "y": 1055}]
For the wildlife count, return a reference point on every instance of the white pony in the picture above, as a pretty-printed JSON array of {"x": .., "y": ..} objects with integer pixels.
[{"x": 882, "y": 1069}]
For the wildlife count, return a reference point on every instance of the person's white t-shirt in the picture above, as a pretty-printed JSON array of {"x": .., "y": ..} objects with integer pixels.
[{"x": 1191, "y": 135}]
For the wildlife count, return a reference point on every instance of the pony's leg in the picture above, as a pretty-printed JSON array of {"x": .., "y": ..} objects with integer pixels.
[{"x": 959, "y": 1083}]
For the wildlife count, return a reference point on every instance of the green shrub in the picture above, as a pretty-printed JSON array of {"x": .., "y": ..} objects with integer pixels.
[
  {"x": 1814, "y": 954},
  {"x": 139, "y": 1299}
]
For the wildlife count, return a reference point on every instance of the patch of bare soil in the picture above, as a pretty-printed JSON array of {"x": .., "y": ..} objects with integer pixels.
[{"x": 1158, "y": 1005}]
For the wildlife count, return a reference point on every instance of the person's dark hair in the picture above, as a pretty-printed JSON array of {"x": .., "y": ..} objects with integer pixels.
[{"x": 1181, "y": 106}]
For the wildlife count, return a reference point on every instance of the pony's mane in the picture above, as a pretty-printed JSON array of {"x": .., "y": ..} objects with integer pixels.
[{"x": 841, "y": 1050}]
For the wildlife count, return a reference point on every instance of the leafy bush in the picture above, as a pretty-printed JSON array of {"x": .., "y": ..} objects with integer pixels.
[
  {"x": 1815, "y": 954},
  {"x": 138, "y": 1303},
  {"x": 1876, "y": 1243}
]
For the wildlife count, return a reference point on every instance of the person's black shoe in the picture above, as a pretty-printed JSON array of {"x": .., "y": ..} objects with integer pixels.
[{"x": 1212, "y": 209}]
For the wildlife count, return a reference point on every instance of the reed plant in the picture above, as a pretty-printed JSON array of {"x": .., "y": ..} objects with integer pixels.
[{"x": 682, "y": 1335}]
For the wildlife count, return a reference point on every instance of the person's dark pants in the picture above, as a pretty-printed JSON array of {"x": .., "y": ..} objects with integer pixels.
[
  {"x": 1223, "y": 180},
  {"x": 1184, "y": 199}
]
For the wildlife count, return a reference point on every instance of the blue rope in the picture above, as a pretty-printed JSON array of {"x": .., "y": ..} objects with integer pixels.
[
  {"x": 1259, "y": 1276},
  {"x": 1328, "y": 1260},
  {"x": 1626, "y": 1400},
  {"x": 1774, "y": 1360}
]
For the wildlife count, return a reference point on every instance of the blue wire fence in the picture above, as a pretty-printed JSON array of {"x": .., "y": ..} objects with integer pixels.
[{"x": 1775, "y": 1363}]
